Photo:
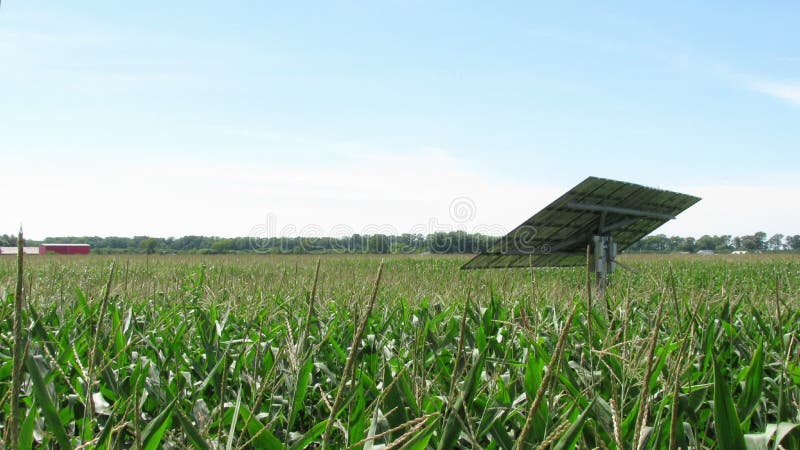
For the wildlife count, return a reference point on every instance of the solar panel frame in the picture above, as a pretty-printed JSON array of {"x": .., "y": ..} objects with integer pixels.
[{"x": 557, "y": 235}]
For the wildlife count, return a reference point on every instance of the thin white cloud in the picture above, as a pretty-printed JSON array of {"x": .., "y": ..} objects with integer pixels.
[{"x": 786, "y": 91}]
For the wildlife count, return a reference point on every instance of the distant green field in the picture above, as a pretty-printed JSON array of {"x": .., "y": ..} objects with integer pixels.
[{"x": 249, "y": 352}]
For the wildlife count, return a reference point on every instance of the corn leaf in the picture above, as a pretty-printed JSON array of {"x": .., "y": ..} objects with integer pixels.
[
  {"x": 48, "y": 409},
  {"x": 726, "y": 422}
]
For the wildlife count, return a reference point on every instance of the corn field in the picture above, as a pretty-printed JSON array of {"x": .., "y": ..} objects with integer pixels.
[{"x": 348, "y": 352}]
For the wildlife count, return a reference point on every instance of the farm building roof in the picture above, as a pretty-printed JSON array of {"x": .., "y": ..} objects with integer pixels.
[{"x": 65, "y": 245}]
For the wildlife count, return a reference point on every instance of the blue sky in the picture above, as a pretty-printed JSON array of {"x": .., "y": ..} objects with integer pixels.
[{"x": 174, "y": 118}]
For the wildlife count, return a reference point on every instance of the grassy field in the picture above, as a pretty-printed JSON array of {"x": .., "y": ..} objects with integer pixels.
[{"x": 266, "y": 352}]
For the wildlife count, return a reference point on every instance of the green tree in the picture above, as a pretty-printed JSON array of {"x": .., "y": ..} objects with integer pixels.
[
  {"x": 222, "y": 245},
  {"x": 706, "y": 242},
  {"x": 754, "y": 242},
  {"x": 148, "y": 245},
  {"x": 724, "y": 243},
  {"x": 687, "y": 245},
  {"x": 775, "y": 242},
  {"x": 378, "y": 243},
  {"x": 761, "y": 240}
]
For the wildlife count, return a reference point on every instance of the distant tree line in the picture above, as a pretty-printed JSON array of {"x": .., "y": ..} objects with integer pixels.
[
  {"x": 757, "y": 242},
  {"x": 444, "y": 242},
  {"x": 449, "y": 242}
]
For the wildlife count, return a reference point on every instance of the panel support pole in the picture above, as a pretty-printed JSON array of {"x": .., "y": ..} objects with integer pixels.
[{"x": 605, "y": 253}]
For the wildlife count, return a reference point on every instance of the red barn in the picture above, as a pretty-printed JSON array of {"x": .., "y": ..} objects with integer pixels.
[{"x": 64, "y": 249}]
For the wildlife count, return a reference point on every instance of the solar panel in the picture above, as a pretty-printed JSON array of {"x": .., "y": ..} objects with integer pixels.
[{"x": 557, "y": 236}]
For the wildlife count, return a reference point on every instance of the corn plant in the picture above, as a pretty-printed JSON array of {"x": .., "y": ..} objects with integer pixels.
[{"x": 293, "y": 352}]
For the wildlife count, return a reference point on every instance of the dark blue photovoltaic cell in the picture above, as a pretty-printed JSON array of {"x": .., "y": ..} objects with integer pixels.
[{"x": 558, "y": 235}]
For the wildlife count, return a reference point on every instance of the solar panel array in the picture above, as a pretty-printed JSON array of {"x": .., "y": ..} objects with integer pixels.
[{"x": 557, "y": 236}]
